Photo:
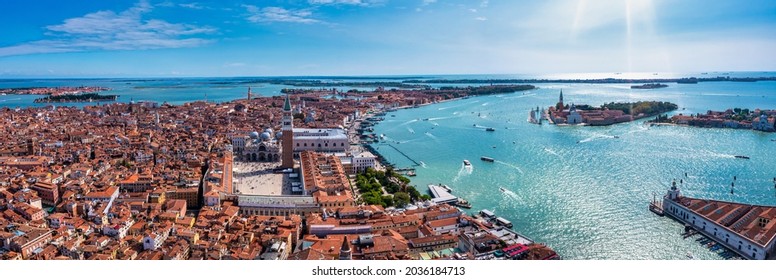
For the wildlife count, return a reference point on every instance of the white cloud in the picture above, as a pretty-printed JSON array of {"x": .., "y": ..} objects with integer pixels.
[
  {"x": 428, "y": 2},
  {"x": 193, "y": 5},
  {"x": 278, "y": 14},
  {"x": 338, "y": 2},
  {"x": 481, "y": 18},
  {"x": 484, "y": 3},
  {"x": 107, "y": 30}
]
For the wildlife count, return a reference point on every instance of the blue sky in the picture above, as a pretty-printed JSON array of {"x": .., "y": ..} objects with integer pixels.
[{"x": 146, "y": 38}]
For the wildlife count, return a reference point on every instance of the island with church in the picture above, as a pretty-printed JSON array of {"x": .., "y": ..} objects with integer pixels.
[{"x": 606, "y": 114}]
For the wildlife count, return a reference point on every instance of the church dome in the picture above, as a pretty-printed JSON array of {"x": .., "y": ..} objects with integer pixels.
[
  {"x": 269, "y": 130},
  {"x": 254, "y": 135},
  {"x": 279, "y": 135},
  {"x": 265, "y": 136}
]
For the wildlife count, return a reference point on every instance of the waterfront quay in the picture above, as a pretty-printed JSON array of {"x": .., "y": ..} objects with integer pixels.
[{"x": 748, "y": 230}]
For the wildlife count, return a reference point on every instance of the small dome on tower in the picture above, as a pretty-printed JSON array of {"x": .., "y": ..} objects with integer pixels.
[{"x": 279, "y": 135}]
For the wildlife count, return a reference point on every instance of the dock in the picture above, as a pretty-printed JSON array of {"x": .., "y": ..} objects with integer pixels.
[
  {"x": 441, "y": 195},
  {"x": 405, "y": 155}
]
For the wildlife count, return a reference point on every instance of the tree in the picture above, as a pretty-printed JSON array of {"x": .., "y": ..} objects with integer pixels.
[
  {"x": 401, "y": 199},
  {"x": 413, "y": 192},
  {"x": 388, "y": 200}
]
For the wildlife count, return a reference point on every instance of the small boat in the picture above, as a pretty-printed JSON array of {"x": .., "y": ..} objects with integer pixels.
[
  {"x": 689, "y": 255},
  {"x": 616, "y": 137},
  {"x": 743, "y": 157},
  {"x": 490, "y": 129},
  {"x": 411, "y": 173},
  {"x": 502, "y": 189},
  {"x": 448, "y": 189},
  {"x": 466, "y": 162},
  {"x": 488, "y": 159},
  {"x": 463, "y": 204}
]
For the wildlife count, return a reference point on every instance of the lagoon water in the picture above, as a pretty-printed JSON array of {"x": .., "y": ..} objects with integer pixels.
[{"x": 578, "y": 189}]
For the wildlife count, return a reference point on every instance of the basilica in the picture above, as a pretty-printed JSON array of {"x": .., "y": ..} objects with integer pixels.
[{"x": 262, "y": 146}]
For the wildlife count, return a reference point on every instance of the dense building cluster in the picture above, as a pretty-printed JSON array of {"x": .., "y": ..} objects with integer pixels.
[
  {"x": 763, "y": 120},
  {"x": 150, "y": 181}
]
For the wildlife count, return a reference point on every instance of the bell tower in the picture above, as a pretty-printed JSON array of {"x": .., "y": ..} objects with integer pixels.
[
  {"x": 345, "y": 253},
  {"x": 559, "y": 106},
  {"x": 288, "y": 135}
]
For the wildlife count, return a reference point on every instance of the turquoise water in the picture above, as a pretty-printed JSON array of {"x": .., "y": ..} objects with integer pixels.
[
  {"x": 588, "y": 200},
  {"x": 173, "y": 91}
]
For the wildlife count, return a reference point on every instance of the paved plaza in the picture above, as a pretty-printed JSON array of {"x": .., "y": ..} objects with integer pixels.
[{"x": 258, "y": 178}]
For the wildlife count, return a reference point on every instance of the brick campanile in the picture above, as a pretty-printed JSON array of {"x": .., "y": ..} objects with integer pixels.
[{"x": 288, "y": 135}]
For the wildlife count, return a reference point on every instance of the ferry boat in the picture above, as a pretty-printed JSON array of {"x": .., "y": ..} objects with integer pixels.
[
  {"x": 487, "y": 214},
  {"x": 488, "y": 159},
  {"x": 463, "y": 203},
  {"x": 503, "y": 222},
  {"x": 743, "y": 157},
  {"x": 411, "y": 173},
  {"x": 502, "y": 189},
  {"x": 466, "y": 162},
  {"x": 490, "y": 129}
]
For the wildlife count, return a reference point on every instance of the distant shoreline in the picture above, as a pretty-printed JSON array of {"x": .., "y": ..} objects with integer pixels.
[{"x": 685, "y": 80}]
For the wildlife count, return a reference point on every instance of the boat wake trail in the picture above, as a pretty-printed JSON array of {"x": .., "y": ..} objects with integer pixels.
[
  {"x": 407, "y": 141},
  {"x": 521, "y": 96},
  {"x": 512, "y": 195},
  {"x": 715, "y": 154},
  {"x": 638, "y": 129},
  {"x": 550, "y": 151},
  {"x": 511, "y": 165},
  {"x": 435, "y": 123},
  {"x": 440, "y": 118},
  {"x": 423, "y": 164},
  {"x": 408, "y": 122},
  {"x": 410, "y": 130},
  {"x": 432, "y": 136},
  {"x": 464, "y": 171},
  {"x": 485, "y": 104},
  {"x": 596, "y": 137}
]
